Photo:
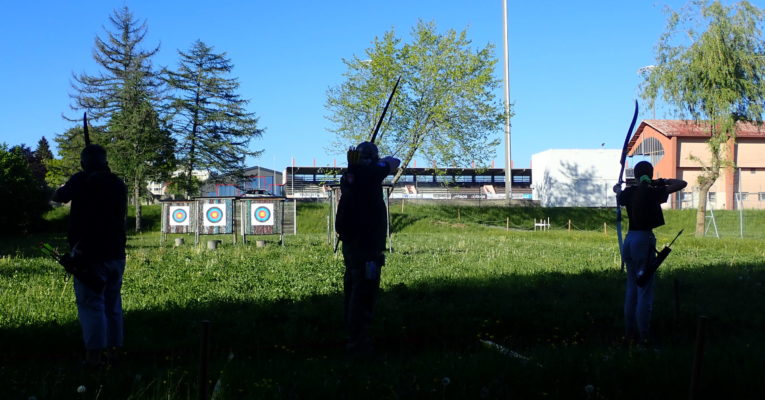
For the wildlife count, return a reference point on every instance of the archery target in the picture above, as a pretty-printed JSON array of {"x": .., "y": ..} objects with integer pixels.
[
  {"x": 214, "y": 215},
  {"x": 262, "y": 214},
  {"x": 179, "y": 215}
]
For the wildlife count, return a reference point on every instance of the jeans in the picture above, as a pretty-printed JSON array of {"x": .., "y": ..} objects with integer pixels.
[
  {"x": 361, "y": 284},
  {"x": 638, "y": 251},
  {"x": 100, "y": 313}
]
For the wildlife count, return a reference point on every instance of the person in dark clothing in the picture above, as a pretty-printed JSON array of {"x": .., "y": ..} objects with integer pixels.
[
  {"x": 643, "y": 202},
  {"x": 97, "y": 239},
  {"x": 361, "y": 223}
]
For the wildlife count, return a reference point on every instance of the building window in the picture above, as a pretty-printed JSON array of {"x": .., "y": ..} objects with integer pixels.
[
  {"x": 743, "y": 196},
  {"x": 762, "y": 196},
  {"x": 521, "y": 179},
  {"x": 712, "y": 197}
]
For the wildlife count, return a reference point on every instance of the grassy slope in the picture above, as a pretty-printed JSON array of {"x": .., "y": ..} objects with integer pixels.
[{"x": 553, "y": 296}]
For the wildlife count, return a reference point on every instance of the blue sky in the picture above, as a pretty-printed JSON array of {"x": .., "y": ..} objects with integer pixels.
[{"x": 573, "y": 67}]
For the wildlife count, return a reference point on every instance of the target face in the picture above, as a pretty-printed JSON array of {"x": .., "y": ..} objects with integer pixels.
[
  {"x": 179, "y": 215},
  {"x": 214, "y": 215},
  {"x": 262, "y": 214}
]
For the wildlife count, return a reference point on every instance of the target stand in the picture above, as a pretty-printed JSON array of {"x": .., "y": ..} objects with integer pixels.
[
  {"x": 178, "y": 216},
  {"x": 261, "y": 216},
  {"x": 214, "y": 216}
]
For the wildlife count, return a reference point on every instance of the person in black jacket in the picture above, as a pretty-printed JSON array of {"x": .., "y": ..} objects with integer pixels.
[
  {"x": 362, "y": 225},
  {"x": 97, "y": 239},
  {"x": 643, "y": 202}
]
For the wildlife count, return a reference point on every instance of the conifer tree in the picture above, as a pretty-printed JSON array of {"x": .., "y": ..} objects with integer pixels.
[
  {"x": 126, "y": 94},
  {"x": 210, "y": 123}
]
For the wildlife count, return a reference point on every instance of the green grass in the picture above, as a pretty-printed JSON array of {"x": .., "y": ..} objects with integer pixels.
[{"x": 554, "y": 297}]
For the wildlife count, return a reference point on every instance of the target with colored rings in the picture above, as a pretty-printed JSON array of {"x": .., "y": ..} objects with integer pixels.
[
  {"x": 262, "y": 214},
  {"x": 179, "y": 215},
  {"x": 214, "y": 214}
]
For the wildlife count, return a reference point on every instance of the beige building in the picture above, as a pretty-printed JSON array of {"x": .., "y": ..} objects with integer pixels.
[{"x": 675, "y": 147}]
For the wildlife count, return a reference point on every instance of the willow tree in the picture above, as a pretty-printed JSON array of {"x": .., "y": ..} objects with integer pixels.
[
  {"x": 445, "y": 108},
  {"x": 711, "y": 67}
]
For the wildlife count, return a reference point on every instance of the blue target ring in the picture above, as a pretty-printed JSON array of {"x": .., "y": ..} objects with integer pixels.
[
  {"x": 179, "y": 216},
  {"x": 214, "y": 214},
  {"x": 262, "y": 214}
]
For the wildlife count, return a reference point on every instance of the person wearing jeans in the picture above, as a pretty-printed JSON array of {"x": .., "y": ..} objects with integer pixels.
[
  {"x": 100, "y": 311},
  {"x": 638, "y": 301},
  {"x": 96, "y": 235},
  {"x": 643, "y": 201}
]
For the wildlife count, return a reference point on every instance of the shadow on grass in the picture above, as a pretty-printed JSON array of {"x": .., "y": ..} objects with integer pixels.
[{"x": 569, "y": 325}]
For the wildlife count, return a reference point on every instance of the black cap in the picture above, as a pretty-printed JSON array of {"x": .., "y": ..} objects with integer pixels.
[
  {"x": 368, "y": 151},
  {"x": 643, "y": 168}
]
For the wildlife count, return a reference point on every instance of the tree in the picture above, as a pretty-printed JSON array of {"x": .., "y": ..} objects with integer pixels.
[
  {"x": 212, "y": 127},
  {"x": 710, "y": 66},
  {"x": 445, "y": 107},
  {"x": 42, "y": 152},
  {"x": 142, "y": 151},
  {"x": 23, "y": 199},
  {"x": 127, "y": 93},
  {"x": 70, "y": 143}
]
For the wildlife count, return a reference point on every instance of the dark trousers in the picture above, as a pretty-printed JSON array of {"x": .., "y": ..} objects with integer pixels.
[{"x": 361, "y": 285}]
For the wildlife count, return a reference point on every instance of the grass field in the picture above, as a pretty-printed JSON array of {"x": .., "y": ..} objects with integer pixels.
[{"x": 455, "y": 278}]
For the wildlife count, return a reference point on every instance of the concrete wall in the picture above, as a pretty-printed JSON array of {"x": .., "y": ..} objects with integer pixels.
[{"x": 575, "y": 177}]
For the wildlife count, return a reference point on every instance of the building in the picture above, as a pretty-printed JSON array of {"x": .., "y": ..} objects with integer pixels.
[
  {"x": 159, "y": 189},
  {"x": 678, "y": 148},
  {"x": 253, "y": 180},
  {"x": 575, "y": 177},
  {"x": 417, "y": 183}
]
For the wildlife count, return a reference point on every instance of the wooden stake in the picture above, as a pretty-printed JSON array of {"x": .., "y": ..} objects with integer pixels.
[
  {"x": 569, "y": 225},
  {"x": 204, "y": 360},
  {"x": 507, "y": 224},
  {"x": 698, "y": 356},
  {"x": 676, "y": 285}
]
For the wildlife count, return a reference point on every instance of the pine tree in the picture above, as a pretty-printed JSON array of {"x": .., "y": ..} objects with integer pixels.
[
  {"x": 42, "y": 152},
  {"x": 212, "y": 127},
  {"x": 127, "y": 93}
]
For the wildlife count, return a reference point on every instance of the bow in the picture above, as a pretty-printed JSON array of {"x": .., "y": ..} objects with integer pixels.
[
  {"x": 622, "y": 160},
  {"x": 382, "y": 116},
  {"x": 85, "y": 128}
]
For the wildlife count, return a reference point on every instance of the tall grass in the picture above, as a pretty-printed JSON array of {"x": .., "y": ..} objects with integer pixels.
[{"x": 553, "y": 297}]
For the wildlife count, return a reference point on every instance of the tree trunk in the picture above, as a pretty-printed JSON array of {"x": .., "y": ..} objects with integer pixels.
[
  {"x": 701, "y": 213},
  {"x": 137, "y": 203}
]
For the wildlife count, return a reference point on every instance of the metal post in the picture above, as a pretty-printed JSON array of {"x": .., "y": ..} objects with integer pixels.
[
  {"x": 740, "y": 207},
  {"x": 508, "y": 157}
]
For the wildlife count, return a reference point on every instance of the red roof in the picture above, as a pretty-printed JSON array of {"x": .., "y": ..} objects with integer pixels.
[{"x": 688, "y": 128}]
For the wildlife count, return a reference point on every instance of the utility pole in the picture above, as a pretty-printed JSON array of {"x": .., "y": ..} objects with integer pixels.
[{"x": 508, "y": 158}]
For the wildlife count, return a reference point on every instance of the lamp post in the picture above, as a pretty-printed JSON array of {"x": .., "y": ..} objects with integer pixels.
[{"x": 508, "y": 158}]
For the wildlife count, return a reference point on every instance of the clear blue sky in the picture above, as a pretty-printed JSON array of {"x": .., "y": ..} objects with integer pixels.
[{"x": 573, "y": 68}]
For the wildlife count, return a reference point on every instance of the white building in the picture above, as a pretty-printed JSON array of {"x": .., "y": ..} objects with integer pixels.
[
  {"x": 575, "y": 177},
  {"x": 160, "y": 188}
]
